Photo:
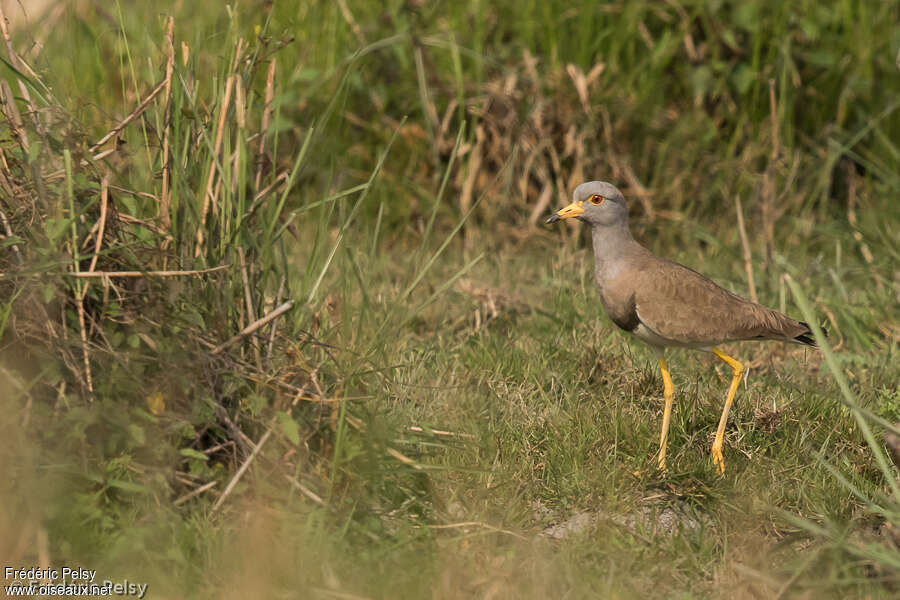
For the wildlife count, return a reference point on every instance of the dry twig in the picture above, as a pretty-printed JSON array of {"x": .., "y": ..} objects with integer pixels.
[
  {"x": 127, "y": 120},
  {"x": 113, "y": 274},
  {"x": 11, "y": 111},
  {"x": 478, "y": 524},
  {"x": 79, "y": 303},
  {"x": 252, "y": 327},
  {"x": 243, "y": 469},
  {"x": 248, "y": 302},
  {"x": 9, "y": 233},
  {"x": 101, "y": 227},
  {"x": 404, "y": 459},
  {"x": 306, "y": 491},
  {"x": 278, "y": 297},
  {"x": 22, "y": 66},
  {"x": 209, "y": 199},
  {"x": 439, "y": 432},
  {"x": 164, "y": 196},
  {"x": 264, "y": 126},
  {"x": 194, "y": 493}
]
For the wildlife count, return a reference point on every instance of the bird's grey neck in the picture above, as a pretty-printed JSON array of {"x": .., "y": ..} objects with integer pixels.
[{"x": 611, "y": 245}]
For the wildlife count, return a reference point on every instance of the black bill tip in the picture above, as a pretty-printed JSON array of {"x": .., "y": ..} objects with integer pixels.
[{"x": 553, "y": 219}]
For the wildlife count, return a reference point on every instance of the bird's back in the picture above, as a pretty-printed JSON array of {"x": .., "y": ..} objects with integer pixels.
[{"x": 684, "y": 308}]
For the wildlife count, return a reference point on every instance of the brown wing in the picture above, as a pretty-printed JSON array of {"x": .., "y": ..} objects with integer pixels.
[{"x": 682, "y": 305}]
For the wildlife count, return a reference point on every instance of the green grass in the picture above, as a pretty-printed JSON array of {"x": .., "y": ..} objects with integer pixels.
[{"x": 446, "y": 391}]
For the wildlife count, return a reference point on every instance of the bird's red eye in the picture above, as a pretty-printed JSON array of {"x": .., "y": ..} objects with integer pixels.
[{"x": 595, "y": 199}]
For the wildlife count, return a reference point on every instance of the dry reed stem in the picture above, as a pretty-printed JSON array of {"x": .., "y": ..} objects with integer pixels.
[
  {"x": 541, "y": 205},
  {"x": 312, "y": 399},
  {"x": 79, "y": 298},
  {"x": 81, "y": 292},
  {"x": 209, "y": 201},
  {"x": 248, "y": 302},
  {"x": 48, "y": 21},
  {"x": 834, "y": 327},
  {"x": 22, "y": 66},
  {"x": 348, "y": 17},
  {"x": 240, "y": 113},
  {"x": 114, "y": 274},
  {"x": 583, "y": 82},
  {"x": 357, "y": 424},
  {"x": 264, "y": 192},
  {"x": 748, "y": 255},
  {"x": 306, "y": 491},
  {"x": 452, "y": 106},
  {"x": 478, "y": 524},
  {"x": 79, "y": 303},
  {"x": 236, "y": 57},
  {"x": 439, "y": 432},
  {"x": 217, "y": 447},
  {"x": 159, "y": 87},
  {"x": 252, "y": 327},
  {"x": 272, "y": 331},
  {"x": 404, "y": 459},
  {"x": 60, "y": 173},
  {"x": 11, "y": 111},
  {"x": 101, "y": 227},
  {"x": 243, "y": 469},
  {"x": 165, "y": 201},
  {"x": 237, "y": 435},
  {"x": 195, "y": 493},
  {"x": 16, "y": 60},
  {"x": 140, "y": 194},
  {"x": 126, "y": 218},
  {"x": 264, "y": 125},
  {"x": 9, "y": 234},
  {"x": 99, "y": 156}
]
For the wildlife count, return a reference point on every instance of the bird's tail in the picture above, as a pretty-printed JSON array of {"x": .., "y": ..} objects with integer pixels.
[{"x": 806, "y": 337}]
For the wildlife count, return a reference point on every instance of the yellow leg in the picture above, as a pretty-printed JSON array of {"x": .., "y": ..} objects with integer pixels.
[
  {"x": 669, "y": 393},
  {"x": 738, "y": 371}
]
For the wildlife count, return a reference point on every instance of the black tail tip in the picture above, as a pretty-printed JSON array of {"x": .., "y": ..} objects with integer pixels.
[{"x": 806, "y": 337}]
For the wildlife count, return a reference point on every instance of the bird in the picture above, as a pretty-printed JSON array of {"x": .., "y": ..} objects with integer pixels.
[{"x": 668, "y": 305}]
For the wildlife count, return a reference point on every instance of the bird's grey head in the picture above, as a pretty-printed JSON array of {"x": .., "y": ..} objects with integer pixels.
[{"x": 596, "y": 202}]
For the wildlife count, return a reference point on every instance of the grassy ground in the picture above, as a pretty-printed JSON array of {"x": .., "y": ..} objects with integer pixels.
[{"x": 444, "y": 410}]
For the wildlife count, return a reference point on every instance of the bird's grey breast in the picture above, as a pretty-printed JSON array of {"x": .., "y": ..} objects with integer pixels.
[
  {"x": 618, "y": 300},
  {"x": 617, "y": 263}
]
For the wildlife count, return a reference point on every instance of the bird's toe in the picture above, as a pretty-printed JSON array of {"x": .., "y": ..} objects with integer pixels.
[{"x": 718, "y": 460}]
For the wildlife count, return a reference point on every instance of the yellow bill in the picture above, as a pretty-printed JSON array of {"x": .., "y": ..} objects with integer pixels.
[{"x": 572, "y": 210}]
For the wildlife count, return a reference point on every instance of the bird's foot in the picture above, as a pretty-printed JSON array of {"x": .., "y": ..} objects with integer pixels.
[{"x": 718, "y": 459}]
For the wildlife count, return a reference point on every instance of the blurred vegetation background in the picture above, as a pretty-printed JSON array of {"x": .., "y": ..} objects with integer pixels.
[{"x": 279, "y": 317}]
